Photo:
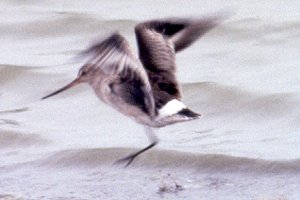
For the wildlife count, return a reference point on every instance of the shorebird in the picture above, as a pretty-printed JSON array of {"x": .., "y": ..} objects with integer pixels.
[{"x": 144, "y": 88}]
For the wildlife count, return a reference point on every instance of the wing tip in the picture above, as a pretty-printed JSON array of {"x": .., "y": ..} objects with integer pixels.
[{"x": 114, "y": 39}]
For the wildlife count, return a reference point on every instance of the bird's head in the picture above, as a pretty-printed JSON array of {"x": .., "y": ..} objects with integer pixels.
[{"x": 85, "y": 74}]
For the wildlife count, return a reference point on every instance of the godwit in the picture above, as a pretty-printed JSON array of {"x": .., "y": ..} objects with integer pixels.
[{"x": 144, "y": 89}]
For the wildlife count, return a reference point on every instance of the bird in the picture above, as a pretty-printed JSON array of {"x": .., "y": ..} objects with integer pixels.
[{"x": 143, "y": 87}]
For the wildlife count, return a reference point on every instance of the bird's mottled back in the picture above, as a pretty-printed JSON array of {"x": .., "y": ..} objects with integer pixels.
[{"x": 123, "y": 75}]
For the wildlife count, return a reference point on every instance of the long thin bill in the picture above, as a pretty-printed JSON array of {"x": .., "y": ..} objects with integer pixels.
[{"x": 73, "y": 83}]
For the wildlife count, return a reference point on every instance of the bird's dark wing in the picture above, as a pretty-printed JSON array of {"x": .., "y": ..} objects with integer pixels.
[
  {"x": 114, "y": 58},
  {"x": 193, "y": 30},
  {"x": 158, "y": 41}
]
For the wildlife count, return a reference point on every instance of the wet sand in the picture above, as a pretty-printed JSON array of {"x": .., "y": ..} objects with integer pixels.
[{"x": 243, "y": 77}]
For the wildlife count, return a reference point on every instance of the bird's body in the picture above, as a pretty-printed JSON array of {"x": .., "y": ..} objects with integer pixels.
[{"x": 145, "y": 88}]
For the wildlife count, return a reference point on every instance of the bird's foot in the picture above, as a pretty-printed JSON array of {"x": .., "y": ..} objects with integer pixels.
[{"x": 128, "y": 160}]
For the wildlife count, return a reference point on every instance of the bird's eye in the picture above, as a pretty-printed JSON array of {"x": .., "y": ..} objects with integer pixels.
[{"x": 82, "y": 73}]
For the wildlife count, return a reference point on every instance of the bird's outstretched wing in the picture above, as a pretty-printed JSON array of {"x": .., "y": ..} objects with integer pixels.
[
  {"x": 114, "y": 58},
  {"x": 158, "y": 41}
]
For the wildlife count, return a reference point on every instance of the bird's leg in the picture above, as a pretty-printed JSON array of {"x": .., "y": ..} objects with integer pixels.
[{"x": 152, "y": 138}]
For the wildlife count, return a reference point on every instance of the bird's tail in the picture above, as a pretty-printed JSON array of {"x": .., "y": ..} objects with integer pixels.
[{"x": 175, "y": 111}]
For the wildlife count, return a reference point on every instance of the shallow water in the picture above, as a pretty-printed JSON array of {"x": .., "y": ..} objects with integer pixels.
[{"x": 243, "y": 77}]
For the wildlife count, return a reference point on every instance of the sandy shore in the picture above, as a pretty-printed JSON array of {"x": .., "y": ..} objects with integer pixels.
[{"x": 243, "y": 77}]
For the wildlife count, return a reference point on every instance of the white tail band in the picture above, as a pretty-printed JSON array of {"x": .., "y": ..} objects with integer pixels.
[{"x": 171, "y": 108}]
